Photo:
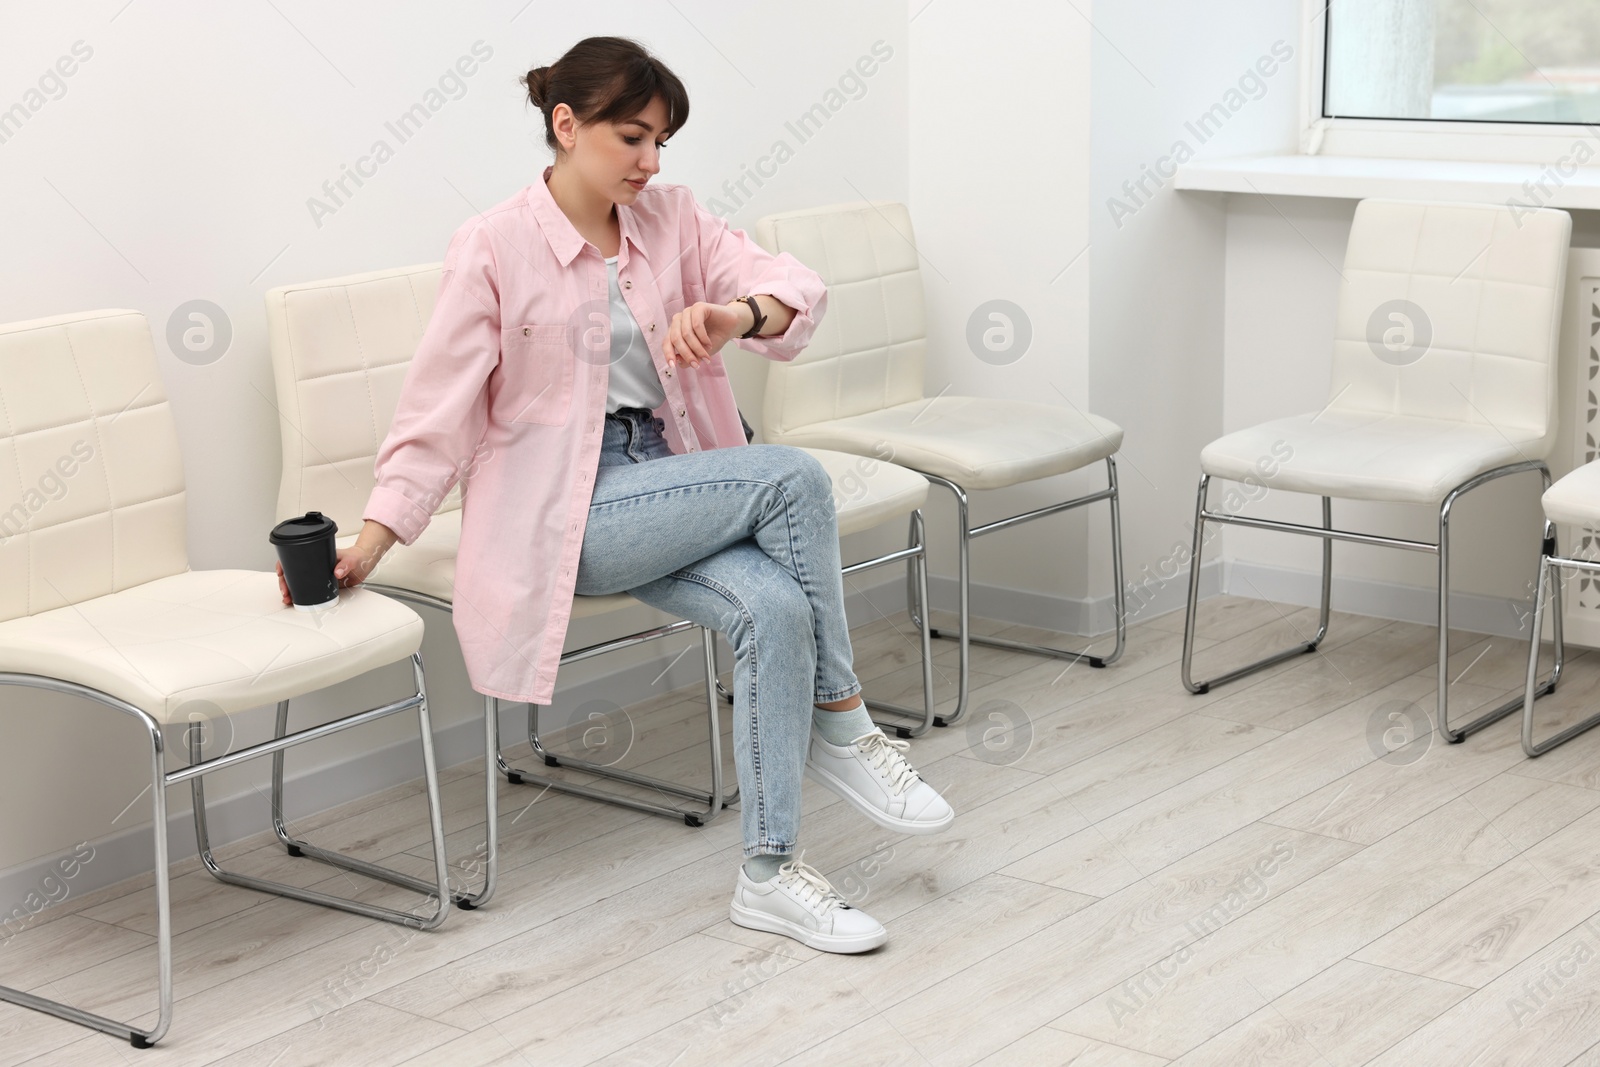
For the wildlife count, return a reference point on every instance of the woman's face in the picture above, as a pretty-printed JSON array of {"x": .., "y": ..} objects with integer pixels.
[{"x": 617, "y": 159}]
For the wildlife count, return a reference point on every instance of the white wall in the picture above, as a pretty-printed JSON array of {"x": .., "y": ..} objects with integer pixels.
[
  {"x": 1000, "y": 116},
  {"x": 176, "y": 163},
  {"x": 1158, "y": 257}
]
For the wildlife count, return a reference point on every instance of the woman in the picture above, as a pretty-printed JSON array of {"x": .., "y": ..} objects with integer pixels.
[{"x": 567, "y": 318}]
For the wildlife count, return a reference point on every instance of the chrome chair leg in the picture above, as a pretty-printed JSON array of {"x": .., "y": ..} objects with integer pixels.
[
  {"x": 917, "y": 566},
  {"x": 135, "y": 1036},
  {"x": 916, "y": 556},
  {"x": 488, "y": 859},
  {"x": 1550, "y": 565},
  {"x": 1301, "y": 649},
  {"x": 714, "y": 800},
  {"x": 1328, "y": 534},
  {"x": 916, "y": 605},
  {"x": 963, "y": 634},
  {"x": 437, "y": 890},
  {"x": 1455, "y": 735},
  {"x": 495, "y": 759},
  {"x": 161, "y": 778}
]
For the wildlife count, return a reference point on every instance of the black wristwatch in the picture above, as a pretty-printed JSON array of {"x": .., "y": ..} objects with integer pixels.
[{"x": 759, "y": 321}]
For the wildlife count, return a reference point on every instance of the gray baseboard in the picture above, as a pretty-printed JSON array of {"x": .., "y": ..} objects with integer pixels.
[
  {"x": 1151, "y": 596},
  {"x": 1498, "y": 616}
]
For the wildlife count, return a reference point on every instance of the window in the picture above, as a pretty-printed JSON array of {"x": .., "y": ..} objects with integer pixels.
[{"x": 1501, "y": 61}]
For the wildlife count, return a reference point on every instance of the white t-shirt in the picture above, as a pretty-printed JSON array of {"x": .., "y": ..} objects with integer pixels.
[{"x": 634, "y": 382}]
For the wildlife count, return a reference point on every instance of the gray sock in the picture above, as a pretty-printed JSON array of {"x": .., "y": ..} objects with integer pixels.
[
  {"x": 762, "y": 867},
  {"x": 843, "y": 727}
]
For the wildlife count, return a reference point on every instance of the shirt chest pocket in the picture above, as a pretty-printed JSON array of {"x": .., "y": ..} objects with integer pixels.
[
  {"x": 685, "y": 295},
  {"x": 692, "y": 294},
  {"x": 536, "y": 370}
]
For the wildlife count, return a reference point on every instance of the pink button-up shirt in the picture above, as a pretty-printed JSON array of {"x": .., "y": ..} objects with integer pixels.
[{"x": 507, "y": 391}]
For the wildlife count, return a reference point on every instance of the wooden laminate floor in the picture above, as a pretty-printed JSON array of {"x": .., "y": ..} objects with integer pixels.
[{"x": 1263, "y": 874}]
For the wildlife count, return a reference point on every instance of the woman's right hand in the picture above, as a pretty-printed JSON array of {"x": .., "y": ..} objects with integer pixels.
[{"x": 350, "y": 568}]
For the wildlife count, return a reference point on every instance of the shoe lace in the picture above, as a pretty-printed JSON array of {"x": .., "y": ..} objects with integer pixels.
[
  {"x": 888, "y": 759},
  {"x": 814, "y": 890}
]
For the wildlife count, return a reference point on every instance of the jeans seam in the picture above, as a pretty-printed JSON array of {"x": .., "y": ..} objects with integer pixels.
[
  {"x": 718, "y": 483},
  {"x": 800, "y": 576},
  {"x": 755, "y": 730}
]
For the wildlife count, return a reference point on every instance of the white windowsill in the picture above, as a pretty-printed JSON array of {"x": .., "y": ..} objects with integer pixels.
[{"x": 1356, "y": 177}]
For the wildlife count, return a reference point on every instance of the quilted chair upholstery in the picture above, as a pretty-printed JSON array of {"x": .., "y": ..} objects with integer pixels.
[
  {"x": 859, "y": 384},
  {"x": 95, "y": 585},
  {"x": 1444, "y": 378},
  {"x": 1461, "y": 382},
  {"x": 97, "y": 600},
  {"x": 859, "y": 388}
]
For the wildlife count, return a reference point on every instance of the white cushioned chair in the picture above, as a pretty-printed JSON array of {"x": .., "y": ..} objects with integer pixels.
[
  {"x": 858, "y": 388},
  {"x": 97, "y": 600},
  {"x": 340, "y": 350},
  {"x": 1444, "y": 378}
]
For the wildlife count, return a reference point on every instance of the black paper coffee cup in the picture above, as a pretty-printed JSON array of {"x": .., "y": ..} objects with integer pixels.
[{"x": 306, "y": 549}]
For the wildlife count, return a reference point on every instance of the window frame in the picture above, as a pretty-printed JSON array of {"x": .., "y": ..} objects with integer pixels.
[{"x": 1443, "y": 139}]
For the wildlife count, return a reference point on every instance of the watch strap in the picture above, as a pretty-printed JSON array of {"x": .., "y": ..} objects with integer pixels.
[{"x": 759, "y": 320}]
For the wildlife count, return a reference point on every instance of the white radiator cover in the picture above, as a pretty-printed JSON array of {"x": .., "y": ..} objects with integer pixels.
[{"x": 1580, "y": 384}]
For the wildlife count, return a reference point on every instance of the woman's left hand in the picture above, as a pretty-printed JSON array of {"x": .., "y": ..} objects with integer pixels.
[{"x": 699, "y": 331}]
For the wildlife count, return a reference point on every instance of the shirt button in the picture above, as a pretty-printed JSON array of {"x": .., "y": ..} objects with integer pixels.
[
  {"x": 627, "y": 285},
  {"x": 669, "y": 372},
  {"x": 680, "y": 411},
  {"x": 524, "y": 331},
  {"x": 652, "y": 327}
]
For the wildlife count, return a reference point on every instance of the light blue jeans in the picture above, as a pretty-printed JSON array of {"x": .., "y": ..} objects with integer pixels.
[{"x": 743, "y": 540}]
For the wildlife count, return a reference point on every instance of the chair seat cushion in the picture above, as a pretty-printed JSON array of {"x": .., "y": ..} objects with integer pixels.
[
  {"x": 1575, "y": 499},
  {"x": 868, "y": 492},
  {"x": 976, "y": 442},
  {"x": 1367, "y": 456},
  {"x": 426, "y": 565},
  {"x": 220, "y": 636},
  {"x": 585, "y": 606}
]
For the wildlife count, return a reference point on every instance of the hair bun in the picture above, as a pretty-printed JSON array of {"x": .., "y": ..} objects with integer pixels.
[{"x": 538, "y": 83}]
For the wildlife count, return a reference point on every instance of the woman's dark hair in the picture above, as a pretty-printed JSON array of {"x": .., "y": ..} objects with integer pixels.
[{"x": 606, "y": 79}]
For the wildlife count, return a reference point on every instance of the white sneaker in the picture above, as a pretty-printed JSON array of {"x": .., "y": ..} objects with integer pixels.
[
  {"x": 872, "y": 774},
  {"x": 800, "y": 903}
]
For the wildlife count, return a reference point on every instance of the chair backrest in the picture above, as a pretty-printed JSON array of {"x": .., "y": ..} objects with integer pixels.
[
  {"x": 340, "y": 351},
  {"x": 91, "y": 480},
  {"x": 1452, "y": 311},
  {"x": 868, "y": 351}
]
